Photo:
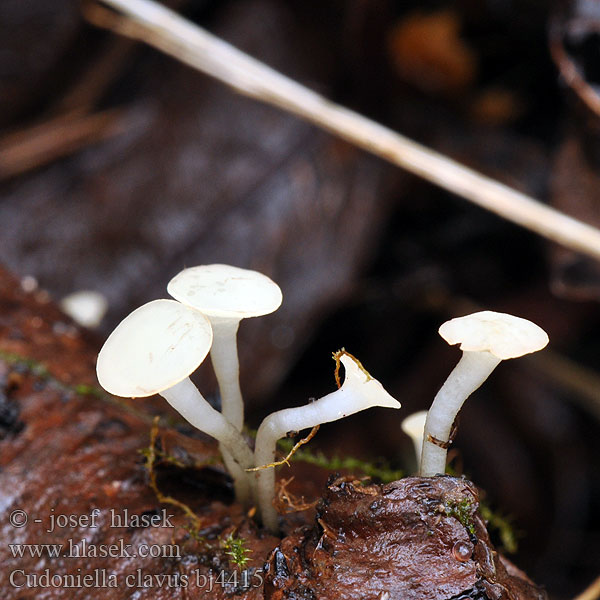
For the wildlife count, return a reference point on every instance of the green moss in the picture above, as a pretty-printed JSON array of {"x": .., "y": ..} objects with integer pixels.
[
  {"x": 378, "y": 469},
  {"x": 463, "y": 512},
  {"x": 381, "y": 472},
  {"x": 33, "y": 366},
  {"x": 89, "y": 390},
  {"x": 502, "y": 526},
  {"x": 236, "y": 549},
  {"x": 40, "y": 370}
]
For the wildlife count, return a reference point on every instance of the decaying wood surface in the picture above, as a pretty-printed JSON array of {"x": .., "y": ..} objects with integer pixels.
[
  {"x": 69, "y": 452},
  {"x": 400, "y": 538}
]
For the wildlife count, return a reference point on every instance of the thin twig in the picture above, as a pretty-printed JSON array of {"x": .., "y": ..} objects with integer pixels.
[
  {"x": 166, "y": 30},
  {"x": 592, "y": 592},
  {"x": 162, "y": 498},
  {"x": 582, "y": 383},
  {"x": 40, "y": 144},
  {"x": 286, "y": 460},
  {"x": 287, "y": 502},
  {"x": 93, "y": 83},
  {"x": 102, "y": 72},
  {"x": 569, "y": 71},
  {"x": 337, "y": 356}
]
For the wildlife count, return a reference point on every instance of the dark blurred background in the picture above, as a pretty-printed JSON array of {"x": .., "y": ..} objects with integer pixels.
[{"x": 119, "y": 167}]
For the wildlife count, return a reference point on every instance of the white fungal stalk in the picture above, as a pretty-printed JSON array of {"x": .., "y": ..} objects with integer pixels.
[
  {"x": 470, "y": 372},
  {"x": 486, "y": 338},
  {"x": 225, "y": 362},
  {"x": 358, "y": 392},
  {"x": 194, "y": 408}
]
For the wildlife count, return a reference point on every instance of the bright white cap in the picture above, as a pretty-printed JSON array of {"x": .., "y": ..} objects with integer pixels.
[
  {"x": 156, "y": 346},
  {"x": 226, "y": 291},
  {"x": 371, "y": 390},
  {"x": 414, "y": 424},
  {"x": 502, "y": 335},
  {"x": 85, "y": 307}
]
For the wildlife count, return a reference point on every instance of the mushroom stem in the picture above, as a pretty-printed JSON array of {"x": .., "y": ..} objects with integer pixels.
[
  {"x": 357, "y": 393},
  {"x": 470, "y": 372},
  {"x": 225, "y": 362},
  {"x": 243, "y": 485},
  {"x": 185, "y": 398},
  {"x": 224, "y": 357}
]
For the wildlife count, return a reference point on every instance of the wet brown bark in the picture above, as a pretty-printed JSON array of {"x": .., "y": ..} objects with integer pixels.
[
  {"x": 412, "y": 539},
  {"x": 69, "y": 453}
]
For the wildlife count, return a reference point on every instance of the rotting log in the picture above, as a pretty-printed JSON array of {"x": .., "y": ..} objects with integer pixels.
[
  {"x": 65, "y": 449},
  {"x": 413, "y": 539},
  {"x": 73, "y": 482}
]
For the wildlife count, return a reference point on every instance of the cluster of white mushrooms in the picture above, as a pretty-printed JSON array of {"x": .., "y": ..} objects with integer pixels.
[{"x": 158, "y": 346}]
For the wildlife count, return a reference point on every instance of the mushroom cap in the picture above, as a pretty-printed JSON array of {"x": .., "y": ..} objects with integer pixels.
[
  {"x": 155, "y": 347},
  {"x": 86, "y": 307},
  {"x": 373, "y": 392},
  {"x": 504, "y": 336},
  {"x": 226, "y": 291},
  {"x": 414, "y": 424}
]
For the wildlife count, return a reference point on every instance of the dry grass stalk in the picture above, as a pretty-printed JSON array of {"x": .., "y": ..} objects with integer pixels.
[
  {"x": 41, "y": 144},
  {"x": 592, "y": 592},
  {"x": 164, "y": 29}
]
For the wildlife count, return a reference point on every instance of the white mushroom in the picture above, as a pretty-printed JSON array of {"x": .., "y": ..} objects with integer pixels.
[
  {"x": 153, "y": 351},
  {"x": 413, "y": 426},
  {"x": 226, "y": 295},
  {"x": 486, "y": 338},
  {"x": 85, "y": 307},
  {"x": 358, "y": 392}
]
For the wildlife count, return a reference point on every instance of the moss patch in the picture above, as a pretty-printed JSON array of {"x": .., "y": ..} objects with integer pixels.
[
  {"x": 463, "y": 512},
  {"x": 379, "y": 471}
]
